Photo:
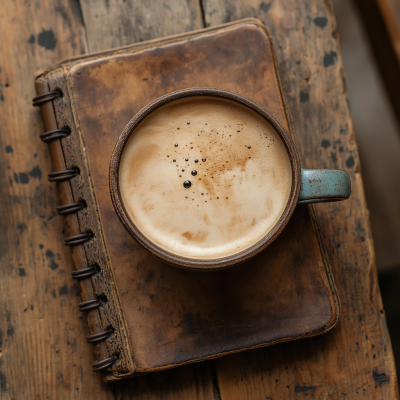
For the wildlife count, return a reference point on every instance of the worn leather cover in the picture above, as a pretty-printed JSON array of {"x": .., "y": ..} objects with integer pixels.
[{"x": 163, "y": 316}]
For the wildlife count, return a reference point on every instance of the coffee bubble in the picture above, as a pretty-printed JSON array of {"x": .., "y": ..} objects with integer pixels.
[
  {"x": 187, "y": 184},
  {"x": 194, "y": 172}
]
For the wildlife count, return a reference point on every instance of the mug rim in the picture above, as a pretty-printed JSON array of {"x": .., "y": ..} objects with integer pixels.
[{"x": 197, "y": 263}]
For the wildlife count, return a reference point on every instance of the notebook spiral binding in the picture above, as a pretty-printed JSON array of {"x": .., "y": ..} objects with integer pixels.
[{"x": 79, "y": 239}]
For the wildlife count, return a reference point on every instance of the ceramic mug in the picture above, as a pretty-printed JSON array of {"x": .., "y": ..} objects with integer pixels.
[{"x": 308, "y": 185}]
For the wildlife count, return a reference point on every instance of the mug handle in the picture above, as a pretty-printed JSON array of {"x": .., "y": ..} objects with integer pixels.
[{"x": 323, "y": 185}]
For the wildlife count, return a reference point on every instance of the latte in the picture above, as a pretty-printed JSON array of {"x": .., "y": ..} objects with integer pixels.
[{"x": 204, "y": 177}]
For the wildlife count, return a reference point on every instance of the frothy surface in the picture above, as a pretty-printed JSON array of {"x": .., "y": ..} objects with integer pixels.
[{"x": 239, "y": 186}]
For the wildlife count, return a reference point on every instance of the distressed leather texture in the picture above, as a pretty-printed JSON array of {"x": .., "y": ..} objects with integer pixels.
[{"x": 164, "y": 316}]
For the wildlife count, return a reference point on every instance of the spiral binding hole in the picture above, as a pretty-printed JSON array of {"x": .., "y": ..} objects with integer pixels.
[
  {"x": 83, "y": 202},
  {"x": 59, "y": 90},
  {"x": 103, "y": 298}
]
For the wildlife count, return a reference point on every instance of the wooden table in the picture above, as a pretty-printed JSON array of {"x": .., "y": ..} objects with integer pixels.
[{"x": 43, "y": 351}]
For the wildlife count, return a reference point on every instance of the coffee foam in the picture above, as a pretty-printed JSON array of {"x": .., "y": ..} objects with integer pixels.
[{"x": 238, "y": 194}]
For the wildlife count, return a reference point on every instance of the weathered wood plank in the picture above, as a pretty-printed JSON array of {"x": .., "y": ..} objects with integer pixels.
[
  {"x": 115, "y": 23},
  {"x": 43, "y": 351},
  {"x": 356, "y": 358}
]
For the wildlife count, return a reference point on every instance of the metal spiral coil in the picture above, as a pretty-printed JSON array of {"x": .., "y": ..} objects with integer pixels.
[
  {"x": 55, "y": 134},
  {"x": 44, "y": 98},
  {"x": 63, "y": 175},
  {"x": 84, "y": 273},
  {"x": 77, "y": 239},
  {"x": 89, "y": 305},
  {"x": 81, "y": 238},
  {"x": 69, "y": 208},
  {"x": 103, "y": 364},
  {"x": 99, "y": 337}
]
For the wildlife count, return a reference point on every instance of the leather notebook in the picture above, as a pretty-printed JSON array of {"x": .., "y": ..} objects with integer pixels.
[{"x": 144, "y": 315}]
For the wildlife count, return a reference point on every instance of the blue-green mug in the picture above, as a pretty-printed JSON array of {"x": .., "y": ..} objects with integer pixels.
[
  {"x": 323, "y": 185},
  {"x": 308, "y": 185}
]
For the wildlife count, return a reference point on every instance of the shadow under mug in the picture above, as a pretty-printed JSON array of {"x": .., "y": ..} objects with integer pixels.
[{"x": 308, "y": 185}]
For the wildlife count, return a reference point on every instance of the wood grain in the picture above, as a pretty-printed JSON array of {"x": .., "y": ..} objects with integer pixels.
[
  {"x": 42, "y": 335},
  {"x": 44, "y": 354},
  {"x": 349, "y": 359},
  {"x": 115, "y": 23}
]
